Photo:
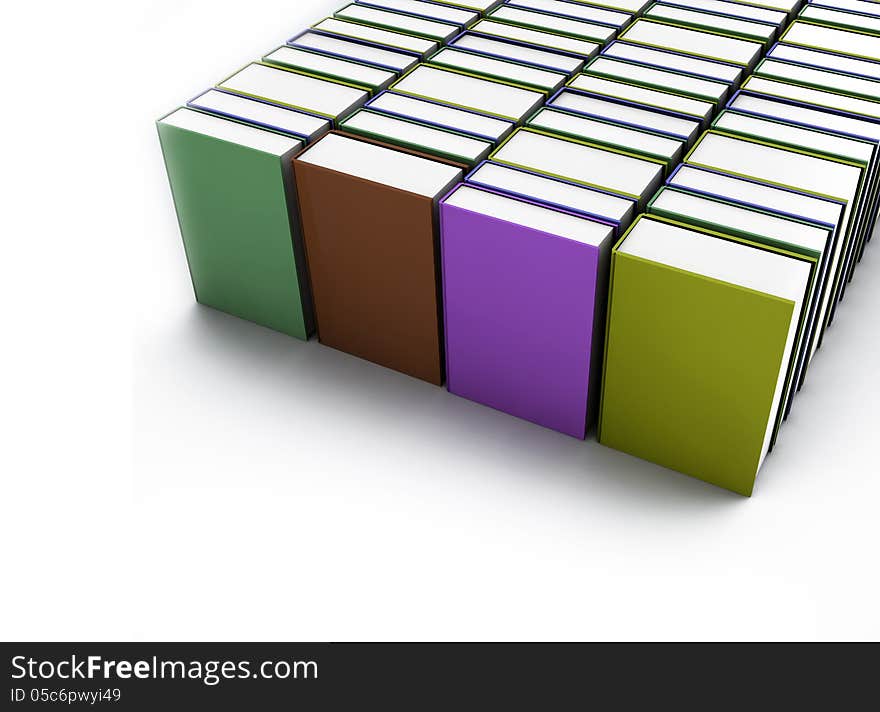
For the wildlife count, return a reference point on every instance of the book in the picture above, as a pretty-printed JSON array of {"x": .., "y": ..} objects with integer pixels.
[
  {"x": 655, "y": 98},
  {"x": 468, "y": 91},
  {"x": 865, "y": 7},
  {"x": 333, "y": 26},
  {"x": 428, "y": 10},
  {"x": 529, "y": 36},
  {"x": 413, "y": 134},
  {"x": 632, "y": 6},
  {"x": 234, "y": 194},
  {"x": 297, "y": 90},
  {"x": 577, "y": 10},
  {"x": 373, "y": 263},
  {"x": 545, "y": 22},
  {"x": 604, "y": 133},
  {"x": 701, "y": 331},
  {"x": 826, "y": 60},
  {"x": 604, "y": 206},
  {"x": 371, "y": 78},
  {"x": 611, "y": 170},
  {"x": 837, "y": 17},
  {"x": 832, "y": 39},
  {"x": 441, "y": 115},
  {"x": 658, "y": 78},
  {"x": 700, "y": 43},
  {"x": 788, "y": 167},
  {"x": 546, "y": 80},
  {"x": 770, "y": 198},
  {"x": 833, "y": 120},
  {"x": 481, "y": 6},
  {"x": 627, "y": 113},
  {"x": 374, "y": 55},
  {"x": 735, "y": 27},
  {"x": 493, "y": 244},
  {"x": 398, "y": 22},
  {"x": 733, "y": 8},
  {"x": 301, "y": 124},
  {"x": 817, "y": 140},
  {"x": 821, "y": 78},
  {"x": 518, "y": 52},
  {"x": 824, "y": 98},
  {"x": 676, "y": 61},
  {"x": 797, "y": 235}
]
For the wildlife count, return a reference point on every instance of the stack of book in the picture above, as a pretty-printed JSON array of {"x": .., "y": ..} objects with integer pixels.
[
  {"x": 641, "y": 213},
  {"x": 723, "y": 291}
]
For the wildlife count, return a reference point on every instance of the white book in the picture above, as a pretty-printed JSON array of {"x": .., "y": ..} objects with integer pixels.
[
  {"x": 553, "y": 23},
  {"x": 379, "y": 164},
  {"x": 478, "y": 5},
  {"x": 593, "y": 166},
  {"x": 627, "y": 114},
  {"x": 663, "y": 79},
  {"x": 469, "y": 92},
  {"x": 622, "y": 137},
  {"x": 584, "y": 48},
  {"x": 732, "y": 262},
  {"x": 432, "y": 29},
  {"x": 591, "y": 13},
  {"x": 442, "y": 115},
  {"x": 333, "y": 67},
  {"x": 833, "y": 39},
  {"x": 634, "y": 6},
  {"x": 261, "y": 113},
  {"x": 692, "y": 41},
  {"x": 509, "y": 50},
  {"x": 843, "y": 18},
  {"x": 736, "y": 9},
  {"x": 643, "y": 95},
  {"x": 543, "y": 79},
  {"x": 826, "y": 60},
  {"x": 555, "y": 191},
  {"x": 819, "y": 77},
  {"x": 430, "y": 10},
  {"x": 396, "y": 40},
  {"x": 418, "y": 136},
  {"x": 743, "y": 28},
  {"x": 678, "y": 62},
  {"x": 379, "y": 56},
  {"x": 300, "y": 91},
  {"x": 819, "y": 97}
]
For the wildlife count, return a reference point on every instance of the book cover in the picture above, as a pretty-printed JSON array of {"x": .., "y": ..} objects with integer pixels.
[
  {"x": 234, "y": 193},
  {"x": 524, "y": 314},
  {"x": 372, "y": 252}
]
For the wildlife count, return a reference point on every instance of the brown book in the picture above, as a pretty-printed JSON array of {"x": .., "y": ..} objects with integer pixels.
[{"x": 369, "y": 219}]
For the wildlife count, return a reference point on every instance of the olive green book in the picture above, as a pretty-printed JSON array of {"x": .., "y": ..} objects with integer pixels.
[
  {"x": 701, "y": 332},
  {"x": 234, "y": 193}
]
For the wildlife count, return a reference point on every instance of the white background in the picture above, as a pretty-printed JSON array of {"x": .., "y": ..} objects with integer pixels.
[{"x": 174, "y": 473}]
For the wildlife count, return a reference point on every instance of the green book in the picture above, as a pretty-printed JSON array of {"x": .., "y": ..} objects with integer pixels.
[
  {"x": 701, "y": 331},
  {"x": 809, "y": 239},
  {"x": 234, "y": 193}
]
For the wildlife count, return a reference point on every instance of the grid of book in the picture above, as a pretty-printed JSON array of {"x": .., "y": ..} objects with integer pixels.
[{"x": 636, "y": 214}]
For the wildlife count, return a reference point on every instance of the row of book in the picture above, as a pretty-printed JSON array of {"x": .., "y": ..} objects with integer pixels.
[{"x": 462, "y": 191}]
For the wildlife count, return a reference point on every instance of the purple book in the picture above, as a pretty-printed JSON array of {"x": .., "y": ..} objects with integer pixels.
[{"x": 524, "y": 288}]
